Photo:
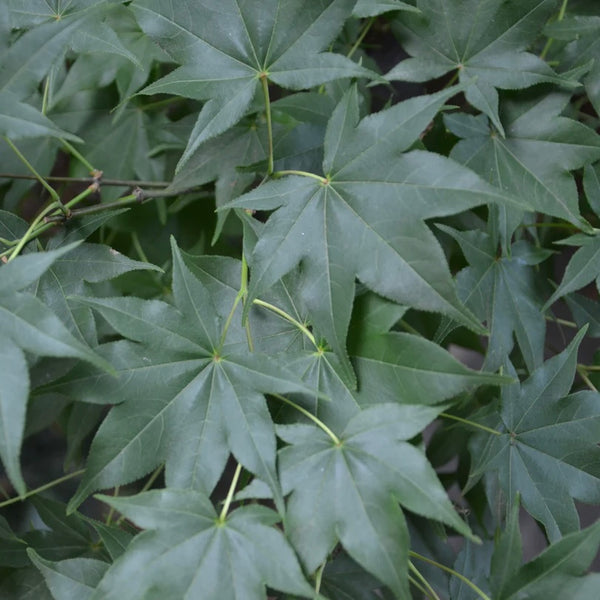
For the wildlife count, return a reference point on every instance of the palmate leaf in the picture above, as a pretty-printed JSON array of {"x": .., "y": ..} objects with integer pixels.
[
  {"x": 187, "y": 552},
  {"x": 365, "y": 218},
  {"x": 349, "y": 491},
  {"x": 503, "y": 292},
  {"x": 187, "y": 401},
  {"x": 484, "y": 39},
  {"x": 583, "y": 267},
  {"x": 28, "y": 324},
  {"x": 70, "y": 579},
  {"x": 225, "y": 47},
  {"x": 547, "y": 447},
  {"x": 56, "y": 26},
  {"x": 19, "y": 120},
  {"x": 68, "y": 275},
  {"x": 535, "y": 157}
]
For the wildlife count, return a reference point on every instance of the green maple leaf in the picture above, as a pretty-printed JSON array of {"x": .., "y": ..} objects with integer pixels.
[
  {"x": 484, "y": 39},
  {"x": 349, "y": 489},
  {"x": 365, "y": 218},
  {"x": 226, "y": 47},
  {"x": 582, "y": 52},
  {"x": 67, "y": 276},
  {"x": 70, "y": 578},
  {"x": 583, "y": 267},
  {"x": 535, "y": 157},
  {"x": 188, "y": 399},
  {"x": 54, "y": 28},
  {"x": 547, "y": 444},
  {"x": 26, "y": 324},
  {"x": 19, "y": 120},
  {"x": 502, "y": 292},
  {"x": 195, "y": 554}
]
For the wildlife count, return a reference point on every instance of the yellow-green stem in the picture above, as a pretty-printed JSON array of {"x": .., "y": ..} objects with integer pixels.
[
  {"x": 45, "y": 96},
  {"x": 135, "y": 240},
  {"x": 289, "y": 318},
  {"x": 42, "y": 488},
  {"x": 561, "y": 16},
  {"x": 319, "y": 577},
  {"x": 44, "y": 183},
  {"x": 77, "y": 155},
  {"x": 468, "y": 582},
  {"x": 77, "y": 199},
  {"x": 323, "y": 180},
  {"x": 230, "y": 493},
  {"x": 265, "y": 87},
  {"x": 587, "y": 380},
  {"x": 312, "y": 417},
  {"x": 470, "y": 423},
  {"x": 28, "y": 236},
  {"x": 111, "y": 512},
  {"x": 430, "y": 592},
  {"x": 361, "y": 37}
]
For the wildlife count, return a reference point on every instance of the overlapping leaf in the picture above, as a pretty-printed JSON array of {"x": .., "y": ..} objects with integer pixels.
[
  {"x": 583, "y": 267},
  {"x": 226, "y": 48},
  {"x": 485, "y": 40},
  {"x": 188, "y": 553},
  {"x": 349, "y": 490},
  {"x": 535, "y": 157},
  {"x": 189, "y": 401},
  {"x": 55, "y": 28},
  {"x": 364, "y": 218},
  {"x": 27, "y": 324},
  {"x": 547, "y": 444},
  {"x": 504, "y": 293}
]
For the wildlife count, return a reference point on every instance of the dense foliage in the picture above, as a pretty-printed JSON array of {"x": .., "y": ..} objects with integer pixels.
[{"x": 244, "y": 244}]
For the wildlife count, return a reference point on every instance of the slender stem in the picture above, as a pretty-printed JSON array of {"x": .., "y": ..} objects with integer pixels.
[
  {"x": 289, "y": 318},
  {"x": 110, "y": 182},
  {"x": 89, "y": 190},
  {"x": 111, "y": 512},
  {"x": 430, "y": 591},
  {"x": 416, "y": 584},
  {"x": 90, "y": 210},
  {"x": 244, "y": 292},
  {"x": 265, "y": 87},
  {"x": 135, "y": 240},
  {"x": 561, "y": 322},
  {"x": 589, "y": 367},
  {"x": 470, "y": 423},
  {"x": 8, "y": 242},
  {"x": 361, "y": 37},
  {"x": 452, "y": 80},
  {"x": 237, "y": 300},
  {"x": 323, "y": 180},
  {"x": 29, "y": 234},
  {"x": 230, "y": 493},
  {"x": 77, "y": 155},
  {"x": 561, "y": 16},
  {"x": 587, "y": 380},
  {"x": 36, "y": 175},
  {"x": 312, "y": 417},
  {"x": 410, "y": 328},
  {"x": 478, "y": 591},
  {"x": 45, "y": 96},
  {"x": 42, "y": 488},
  {"x": 152, "y": 478},
  {"x": 319, "y": 577}
]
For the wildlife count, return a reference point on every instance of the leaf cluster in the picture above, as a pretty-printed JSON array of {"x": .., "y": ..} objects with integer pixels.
[{"x": 305, "y": 317}]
